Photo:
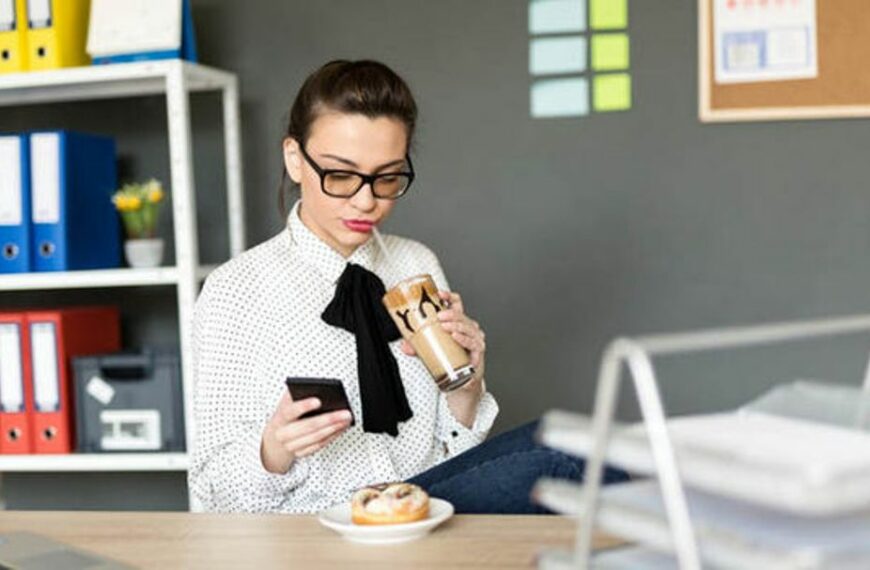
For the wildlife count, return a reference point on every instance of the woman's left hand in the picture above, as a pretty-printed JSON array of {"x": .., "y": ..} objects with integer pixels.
[{"x": 466, "y": 332}]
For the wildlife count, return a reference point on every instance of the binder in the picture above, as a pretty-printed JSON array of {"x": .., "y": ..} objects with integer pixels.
[
  {"x": 141, "y": 30},
  {"x": 13, "y": 36},
  {"x": 74, "y": 224},
  {"x": 56, "y": 33},
  {"x": 56, "y": 336},
  {"x": 14, "y": 204},
  {"x": 16, "y": 397}
]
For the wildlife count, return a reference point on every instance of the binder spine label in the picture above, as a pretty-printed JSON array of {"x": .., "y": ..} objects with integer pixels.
[
  {"x": 7, "y": 15},
  {"x": 10, "y": 182},
  {"x": 39, "y": 13},
  {"x": 46, "y": 379},
  {"x": 11, "y": 372},
  {"x": 45, "y": 178}
]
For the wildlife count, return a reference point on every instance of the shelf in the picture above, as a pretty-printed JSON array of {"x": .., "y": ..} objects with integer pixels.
[
  {"x": 94, "y": 462},
  {"x": 95, "y": 278},
  {"x": 106, "y": 82}
]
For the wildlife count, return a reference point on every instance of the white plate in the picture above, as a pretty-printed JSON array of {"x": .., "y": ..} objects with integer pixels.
[{"x": 338, "y": 519}]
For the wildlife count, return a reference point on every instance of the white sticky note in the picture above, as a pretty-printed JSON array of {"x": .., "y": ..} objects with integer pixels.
[
  {"x": 557, "y": 55},
  {"x": 557, "y": 16},
  {"x": 568, "y": 97}
]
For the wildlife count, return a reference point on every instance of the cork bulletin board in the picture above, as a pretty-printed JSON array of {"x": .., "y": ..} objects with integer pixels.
[{"x": 841, "y": 89}]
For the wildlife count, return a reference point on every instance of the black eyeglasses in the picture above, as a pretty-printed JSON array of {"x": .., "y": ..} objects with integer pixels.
[{"x": 346, "y": 183}]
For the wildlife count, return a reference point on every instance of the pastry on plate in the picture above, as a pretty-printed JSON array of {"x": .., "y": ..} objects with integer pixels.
[{"x": 389, "y": 503}]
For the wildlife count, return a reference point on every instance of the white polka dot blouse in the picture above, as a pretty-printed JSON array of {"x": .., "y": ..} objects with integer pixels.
[{"x": 258, "y": 322}]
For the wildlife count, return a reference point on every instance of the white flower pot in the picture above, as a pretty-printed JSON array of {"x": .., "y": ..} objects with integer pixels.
[{"x": 142, "y": 253}]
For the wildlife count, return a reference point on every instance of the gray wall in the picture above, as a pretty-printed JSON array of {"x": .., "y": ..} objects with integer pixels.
[{"x": 560, "y": 234}]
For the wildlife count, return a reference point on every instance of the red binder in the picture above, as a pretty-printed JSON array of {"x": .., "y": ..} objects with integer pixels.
[
  {"x": 16, "y": 397},
  {"x": 55, "y": 337}
]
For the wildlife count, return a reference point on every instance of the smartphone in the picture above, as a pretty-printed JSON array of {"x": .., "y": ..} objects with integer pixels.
[{"x": 329, "y": 391}]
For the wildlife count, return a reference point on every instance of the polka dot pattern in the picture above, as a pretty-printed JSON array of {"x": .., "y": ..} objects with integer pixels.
[{"x": 257, "y": 322}]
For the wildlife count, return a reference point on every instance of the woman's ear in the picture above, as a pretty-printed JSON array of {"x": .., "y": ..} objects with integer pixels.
[{"x": 293, "y": 160}]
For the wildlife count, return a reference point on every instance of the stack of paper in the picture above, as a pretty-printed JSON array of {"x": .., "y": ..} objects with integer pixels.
[
  {"x": 803, "y": 467},
  {"x": 738, "y": 535}
]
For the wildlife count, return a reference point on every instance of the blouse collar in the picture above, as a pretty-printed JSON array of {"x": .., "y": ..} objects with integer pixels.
[{"x": 321, "y": 255}]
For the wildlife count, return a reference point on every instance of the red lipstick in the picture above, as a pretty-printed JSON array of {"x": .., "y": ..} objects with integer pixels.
[{"x": 362, "y": 226}]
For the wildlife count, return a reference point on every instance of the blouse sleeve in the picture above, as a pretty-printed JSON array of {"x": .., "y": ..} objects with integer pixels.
[
  {"x": 226, "y": 472},
  {"x": 450, "y": 432}
]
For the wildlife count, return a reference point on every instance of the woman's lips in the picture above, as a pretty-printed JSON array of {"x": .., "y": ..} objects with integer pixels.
[{"x": 362, "y": 226}]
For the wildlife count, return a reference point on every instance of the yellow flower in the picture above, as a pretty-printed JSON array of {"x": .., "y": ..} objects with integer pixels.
[
  {"x": 124, "y": 203},
  {"x": 134, "y": 203},
  {"x": 155, "y": 195}
]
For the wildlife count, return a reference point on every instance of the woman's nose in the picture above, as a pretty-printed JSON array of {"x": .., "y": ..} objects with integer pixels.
[{"x": 364, "y": 199}]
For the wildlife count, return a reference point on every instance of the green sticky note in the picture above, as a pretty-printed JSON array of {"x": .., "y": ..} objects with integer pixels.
[
  {"x": 609, "y": 52},
  {"x": 608, "y": 14},
  {"x": 611, "y": 92}
]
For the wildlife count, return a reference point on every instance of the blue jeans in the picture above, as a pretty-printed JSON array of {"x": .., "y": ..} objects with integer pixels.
[{"x": 497, "y": 476}]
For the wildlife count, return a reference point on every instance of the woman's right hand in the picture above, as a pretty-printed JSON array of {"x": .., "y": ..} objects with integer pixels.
[{"x": 286, "y": 437}]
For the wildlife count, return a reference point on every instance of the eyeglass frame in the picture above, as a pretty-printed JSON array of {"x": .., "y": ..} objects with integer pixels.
[{"x": 366, "y": 178}]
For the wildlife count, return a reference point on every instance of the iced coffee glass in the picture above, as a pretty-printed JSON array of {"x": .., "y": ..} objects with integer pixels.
[{"x": 414, "y": 305}]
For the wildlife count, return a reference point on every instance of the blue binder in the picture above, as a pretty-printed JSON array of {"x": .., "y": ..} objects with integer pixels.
[
  {"x": 186, "y": 50},
  {"x": 14, "y": 204},
  {"x": 74, "y": 223}
]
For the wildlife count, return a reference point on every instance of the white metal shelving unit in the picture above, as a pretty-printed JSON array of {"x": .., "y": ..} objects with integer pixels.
[
  {"x": 176, "y": 80},
  {"x": 659, "y": 458}
]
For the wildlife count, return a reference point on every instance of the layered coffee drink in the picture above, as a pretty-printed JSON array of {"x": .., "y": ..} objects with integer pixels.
[{"x": 414, "y": 305}]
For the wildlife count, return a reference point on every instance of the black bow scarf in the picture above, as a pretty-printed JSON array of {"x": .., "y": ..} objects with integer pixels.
[{"x": 357, "y": 308}]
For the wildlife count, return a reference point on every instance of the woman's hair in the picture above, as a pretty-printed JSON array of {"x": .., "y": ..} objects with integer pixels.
[{"x": 364, "y": 87}]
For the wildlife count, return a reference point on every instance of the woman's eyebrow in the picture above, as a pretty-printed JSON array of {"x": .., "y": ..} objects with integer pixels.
[{"x": 352, "y": 164}]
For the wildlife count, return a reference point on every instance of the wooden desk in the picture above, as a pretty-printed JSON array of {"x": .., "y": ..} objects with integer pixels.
[{"x": 184, "y": 540}]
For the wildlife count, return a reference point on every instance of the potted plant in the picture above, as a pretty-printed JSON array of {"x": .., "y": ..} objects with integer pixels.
[{"x": 139, "y": 207}]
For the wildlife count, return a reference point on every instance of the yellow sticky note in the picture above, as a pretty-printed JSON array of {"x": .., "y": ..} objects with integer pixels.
[
  {"x": 608, "y": 14},
  {"x": 611, "y": 92},
  {"x": 610, "y": 52}
]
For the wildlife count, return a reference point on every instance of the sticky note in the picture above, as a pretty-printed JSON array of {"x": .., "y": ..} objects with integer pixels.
[
  {"x": 568, "y": 97},
  {"x": 608, "y": 14},
  {"x": 557, "y": 16},
  {"x": 611, "y": 92},
  {"x": 557, "y": 55},
  {"x": 610, "y": 52}
]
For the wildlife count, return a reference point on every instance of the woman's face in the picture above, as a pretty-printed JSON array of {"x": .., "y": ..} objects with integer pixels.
[{"x": 347, "y": 142}]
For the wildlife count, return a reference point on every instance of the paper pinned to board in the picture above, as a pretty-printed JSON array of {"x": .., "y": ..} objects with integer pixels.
[{"x": 754, "y": 41}]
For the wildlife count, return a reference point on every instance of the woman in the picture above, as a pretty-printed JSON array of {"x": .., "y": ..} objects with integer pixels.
[{"x": 261, "y": 318}]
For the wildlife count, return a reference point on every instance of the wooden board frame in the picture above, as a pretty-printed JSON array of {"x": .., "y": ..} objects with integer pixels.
[{"x": 843, "y": 42}]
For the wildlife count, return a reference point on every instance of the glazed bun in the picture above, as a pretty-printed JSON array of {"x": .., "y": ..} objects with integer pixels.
[{"x": 389, "y": 503}]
